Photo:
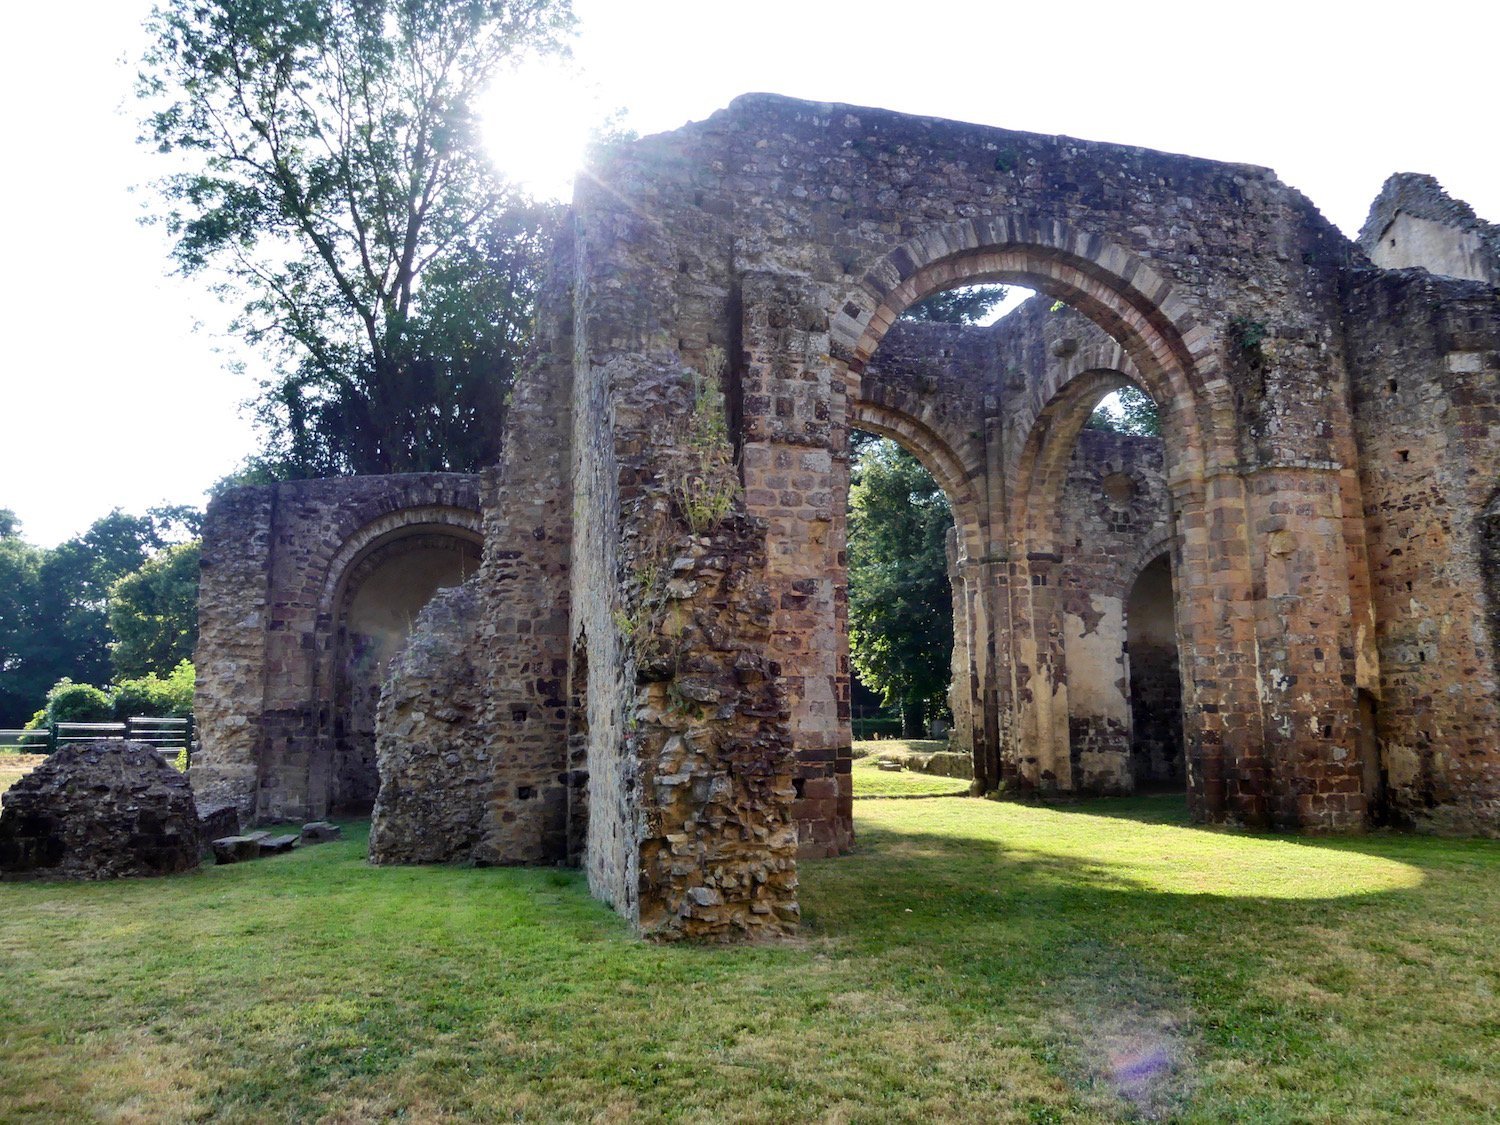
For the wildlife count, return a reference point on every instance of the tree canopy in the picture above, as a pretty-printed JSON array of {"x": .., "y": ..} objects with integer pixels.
[
  {"x": 900, "y": 603},
  {"x": 967, "y": 304},
  {"x": 1135, "y": 413},
  {"x": 153, "y": 613},
  {"x": 55, "y": 602},
  {"x": 331, "y": 175}
]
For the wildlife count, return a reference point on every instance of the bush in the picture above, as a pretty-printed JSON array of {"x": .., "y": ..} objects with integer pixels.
[
  {"x": 153, "y": 697},
  {"x": 68, "y": 702},
  {"x": 150, "y": 696}
]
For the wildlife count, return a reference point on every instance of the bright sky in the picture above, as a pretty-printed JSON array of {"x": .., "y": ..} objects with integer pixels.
[{"x": 113, "y": 387}]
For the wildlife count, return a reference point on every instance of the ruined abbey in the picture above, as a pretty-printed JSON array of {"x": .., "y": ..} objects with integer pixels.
[{"x": 596, "y": 653}]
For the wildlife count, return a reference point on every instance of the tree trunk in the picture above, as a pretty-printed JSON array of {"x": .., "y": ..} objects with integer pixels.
[{"x": 913, "y": 718}]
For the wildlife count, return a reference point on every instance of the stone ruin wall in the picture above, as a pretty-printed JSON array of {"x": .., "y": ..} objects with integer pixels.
[
  {"x": 1115, "y": 521},
  {"x": 498, "y": 743},
  {"x": 1425, "y": 355},
  {"x": 277, "y": 565},
  {"x": 707, "y": 709},
  {"x": 1414, "y": 223}
]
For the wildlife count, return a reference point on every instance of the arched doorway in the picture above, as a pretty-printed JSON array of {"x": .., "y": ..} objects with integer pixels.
[
  {"x": 380, "y": 595},
  {"x": 1022, "y": 565}
]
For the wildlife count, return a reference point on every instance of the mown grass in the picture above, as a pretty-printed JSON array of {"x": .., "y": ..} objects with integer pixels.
[
  {"x": 871, "y": 781},
  {"x": 972, "y": 961}
]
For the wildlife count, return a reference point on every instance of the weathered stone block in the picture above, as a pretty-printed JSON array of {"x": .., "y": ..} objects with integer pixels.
[{"x": 238, "y": 849}]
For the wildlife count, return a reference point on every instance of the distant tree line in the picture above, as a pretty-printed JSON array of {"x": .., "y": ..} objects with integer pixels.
[{"x": 114, "y": 606}]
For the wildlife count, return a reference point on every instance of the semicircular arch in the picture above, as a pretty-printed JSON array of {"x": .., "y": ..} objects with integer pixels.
[
  {"x": 399, "y": 523},
  {"x": 1172, "y": 353},
  {"x": 954, "y": 473}
]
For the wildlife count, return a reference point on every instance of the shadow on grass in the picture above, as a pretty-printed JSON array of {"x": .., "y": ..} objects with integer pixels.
[{"x": 971, "y": 960}]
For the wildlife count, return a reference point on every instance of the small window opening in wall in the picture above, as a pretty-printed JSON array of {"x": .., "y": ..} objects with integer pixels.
[
  {"x": 1404, "y": 454},
  {"x": 1421, "y": 656},
  {"x": 518, "y": 715},
  {"x": 1327, "y": 731},
  {"x": 797, "y": 785},
  {"x": 1393, "y": 242},
  {"x": 1392, "y": 385}
]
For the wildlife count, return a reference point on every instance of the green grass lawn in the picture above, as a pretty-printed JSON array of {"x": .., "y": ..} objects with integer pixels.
[
  {"x": 972, "y": 961},
  {"x": 871, "y": 781}
]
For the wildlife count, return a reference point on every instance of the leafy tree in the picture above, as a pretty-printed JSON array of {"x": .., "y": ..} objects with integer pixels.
[
  {"x": 25, "y": 671},
  {"x": 966, "y": 305},
  {"x": 153, "y": 613},
  {"x": 333, "y": 175},
  {"x": 54, "y": 603},
  {"x": 900, "y": 603},
  {"x": 1137, "y": 414},
  {"x": 156, "y": 696}
]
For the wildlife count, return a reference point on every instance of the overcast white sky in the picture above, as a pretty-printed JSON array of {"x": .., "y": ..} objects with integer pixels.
[{"x": 113, "y": 388}]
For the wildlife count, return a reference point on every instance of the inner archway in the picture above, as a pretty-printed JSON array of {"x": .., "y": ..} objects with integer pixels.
[
  {"x": 383, "y": 591},
  {"x": 1038, "y": 722}
]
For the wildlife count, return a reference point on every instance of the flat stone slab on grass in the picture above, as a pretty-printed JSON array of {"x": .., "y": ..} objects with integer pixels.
[
  {"x": 237, "y": 849},
  {"x": 276, "y": 845},
  {"x": 320, "y": 831}
]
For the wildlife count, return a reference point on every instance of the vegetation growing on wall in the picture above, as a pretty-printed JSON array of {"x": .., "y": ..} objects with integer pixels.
[{"x": 702, "y": 476}]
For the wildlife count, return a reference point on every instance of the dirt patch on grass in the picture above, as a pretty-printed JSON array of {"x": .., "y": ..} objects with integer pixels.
[{"x": 13, "y": 767}]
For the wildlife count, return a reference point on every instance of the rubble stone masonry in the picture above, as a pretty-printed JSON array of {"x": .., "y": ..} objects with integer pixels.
[{"x": 665, "y": 699}]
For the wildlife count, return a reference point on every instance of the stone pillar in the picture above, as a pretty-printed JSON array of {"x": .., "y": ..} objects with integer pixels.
[
  {"x": 233, "y": 592},
  {"x": 1307, "y": 651},
  {"x": 1216, "y": 642},
  {"x": 961, "y": 668},
  {"x": 796, "y": 478}
]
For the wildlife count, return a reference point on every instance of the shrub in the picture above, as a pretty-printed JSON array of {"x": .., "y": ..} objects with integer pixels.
[
  {"x": 68, "y": 702},
  {"x": 155, "y": 697}
]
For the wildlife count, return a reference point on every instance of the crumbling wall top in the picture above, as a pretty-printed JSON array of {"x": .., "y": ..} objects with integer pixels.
[{"x": 1414, "y": 222}]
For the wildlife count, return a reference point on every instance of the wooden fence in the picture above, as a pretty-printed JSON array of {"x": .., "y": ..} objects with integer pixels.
[{"x": 167, "y": 735}]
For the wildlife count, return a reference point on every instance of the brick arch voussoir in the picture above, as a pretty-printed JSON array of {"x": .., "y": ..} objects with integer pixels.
[
  {"x": 1093, "y": 357},
  {"x": 1041, "y": 469},
  {"x": 954, "y": 472},
  {"x": 1119, "y": 290},
  {"x": 389, "y": 525},
  {"x": 1164, "y": 544}
]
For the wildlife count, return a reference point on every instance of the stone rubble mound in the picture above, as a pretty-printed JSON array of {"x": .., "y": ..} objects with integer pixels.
[{"x": 99, "y": 810}]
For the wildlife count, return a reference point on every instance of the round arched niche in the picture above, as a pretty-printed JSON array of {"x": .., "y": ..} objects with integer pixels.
[{"x": 383, "y": 592}]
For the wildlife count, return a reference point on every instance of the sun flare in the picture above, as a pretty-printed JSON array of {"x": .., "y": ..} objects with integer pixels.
[{"x": 537, "y": 122}]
